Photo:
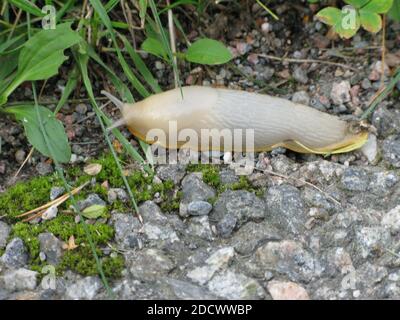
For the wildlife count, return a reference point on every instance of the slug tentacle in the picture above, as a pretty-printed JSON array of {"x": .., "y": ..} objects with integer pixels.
[{"x": 275, "y": 121}]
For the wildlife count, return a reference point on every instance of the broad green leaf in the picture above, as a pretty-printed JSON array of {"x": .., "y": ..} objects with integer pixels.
[
  {"x": 394, "y": 12},
  {"x": 378, "y": 6},
  {"x": 208, "y": 51},
  {"x": 53, "y": 129},
  {"x": 155, "y": 47},
  {"x": 95, "y": 211},
  {"x": 348, "y": 25},
  {"x": 330, "y": 15},
  {"x": 27, "y": 6},
  {"x": 370, "y": 21},
  {"x": 356, "y": 3},
  {"x": 42, "y": 55}
]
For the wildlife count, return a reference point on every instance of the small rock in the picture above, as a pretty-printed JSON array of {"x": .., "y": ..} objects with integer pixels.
[
  {"x": 200, "y": 227},
  {"x": 267, "y": 74},
  {"x": 243, "y": 205},
  {"x": 50, "y": 213},
  {"x": 20, "y": 279},
  {"x": 391, "y": 220},
  {"x": 387, "y": 122},
  {"x": 355, "y": 179},
  {"x": 83, "y": 289},
  {"x": 127, "y": 231},
  {"x": 301, "y": 97},
  {"x": 226, "y": 225},
  {"x": 44, "y": 168},
  {"x": 188, "y": 291},
  {"x": 341, "y": 92},
  {"x": 199, "y": 208},
  {"x": 81, "y": 108},
  {"x": 173, "y": 172},
  {"x": 55, "y": 192},
  {"x": 300, "y": 75},
  {"x": 4, "y": 233},
  {"x": 149, "y": 264},
  {"x": 371, "y": 241},
  {"x": 366, "y": 84},
  {"x": 231, "y": 285},
  {"x": 20, "y": 155},
  {"x": 391, "y": 150},
  {"x": 15, "y": 255},
  {"x": 51, "y": 247},
  {"x": 117, "y": 193},
  {"x": 284, "y": 290},
  {"x": 290, "y": 258},
  {"x": 370, "y": 148},
  {"x": 286, "y": 208},
  {"x": 218, "y": 261}
]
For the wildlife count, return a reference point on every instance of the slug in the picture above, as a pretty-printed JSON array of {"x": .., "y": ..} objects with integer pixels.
[{"x": 275, "y": 121}]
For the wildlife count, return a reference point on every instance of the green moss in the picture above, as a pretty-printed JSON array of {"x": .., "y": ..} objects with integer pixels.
[
  {"x": 210, "y": 173},
  {"x": 26, "y": 195},
  {"x": 81, "y": 260}
]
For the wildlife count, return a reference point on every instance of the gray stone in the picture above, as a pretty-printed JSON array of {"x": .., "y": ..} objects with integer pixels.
[
  {"x": 173, "y": 172},
  {"x": 4, "y": 233},
  {"x": 290, "y": 258},
  {"x": 382, "y": 183},
  {"x": 355, "y": 179},
  {"x": 51, "y": 247},
  {"x": 19, "y": 279},
  {"x": 55, "y": 192},
  {"x": 184, "y": 290},
  {"x": 233, "y": 286},
  {"x": 243, "y": 205},
  {"x": 286, "y": 208},
  {"x": 127, "y": 230},
  {"x": 114, "y": 194},
  {"x": 149, "y": 264},
  {"x": 386, "y": 121},
  {"x": 252, "y": 235},
  {"x": 199, "y": 208},
  {"x": 391, "y": 150},
  {"x": 300, "y": 75},
  {"x": 15, "y": 255},
  {"x": 216, "y": 262},
  {"x": 228, "y": 176},
  {"x": 200, "y": 227},
  {"x": 44, "y": 168},
  {"x": 391, "y": 220},
  {"x": 301, "y": 97},
  {"x": 194, "y": 189},
  {"x": 91, "y": 200},
  {"x": 371, "y": 241},
  {"x": 83, "y": 289},
  {"x": 341, "y": 92},
  {"x": 226, "y": 225}
]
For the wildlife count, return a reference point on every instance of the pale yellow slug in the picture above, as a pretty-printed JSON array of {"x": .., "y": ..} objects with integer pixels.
[{"x": 276, "y": 121}]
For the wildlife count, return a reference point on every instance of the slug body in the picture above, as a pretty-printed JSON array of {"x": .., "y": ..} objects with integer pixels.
[{"x": 275, "y": 121}]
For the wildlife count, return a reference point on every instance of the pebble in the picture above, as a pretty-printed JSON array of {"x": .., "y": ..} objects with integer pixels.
[
  {"x": 20, "y": 156},
  {"x": 83, "y": 289},
  {"x": 391, "y": 150},
  {"x": 81, "y": 108},
  {"x": 355, "y": 179},
  {"x": 199, "y": 208},
  {"x": 300, "y": 75},
  {"x": 19, "y": 279},
  {"x": 391, "y": 220},
  {"x": 15, "y": 255},
  {"x": 4, "y": 233},
  {"x": 44, "y": 168},
  {"x": 51, "y": 247},
  {"x": 341, "y": 92},
  {"x": 285, "y": 290},
  {"x": 226, "y": 225},
  {"x": 55, "y": 192},
  {"x": 301, "y": 97}
]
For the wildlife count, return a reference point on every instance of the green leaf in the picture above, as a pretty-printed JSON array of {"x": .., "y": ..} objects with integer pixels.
[
  {"x": 378, "y": 6},
  {"x": 330, "y": 15},
  {"x": 27, "y": 6},
  {"x": 394, "y": 12},
  {"x": 155, "y": 47},
  {"x": 370, "y": 21},
  {"x": 348, "y": 25},
  {"x": 356, "y": 3},
  {"x": 208, "y": 51},
  {"x": 53, "y": 129},
  {"x": 95, "y": 211},
  {"x": 42, "y": 55}
]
